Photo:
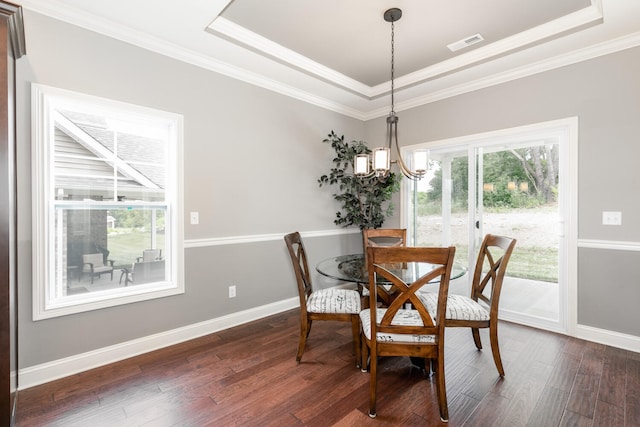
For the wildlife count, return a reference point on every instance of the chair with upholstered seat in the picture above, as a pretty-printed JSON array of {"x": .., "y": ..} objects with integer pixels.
[
  {"x": 154, "y": 271},
  {"x": 96, "y": 265},
  {"x": 144, "y": 272},
  {"x": 149, "y": 255},
  {"x": 401, "y": 330},
  {"x": 383, "y": 237},
  {"x": 481, "y": 310},
  {"x": 323, "y": 304}
]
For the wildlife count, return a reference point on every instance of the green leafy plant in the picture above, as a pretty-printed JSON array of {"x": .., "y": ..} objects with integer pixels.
[{"x": 366, "y": 201}]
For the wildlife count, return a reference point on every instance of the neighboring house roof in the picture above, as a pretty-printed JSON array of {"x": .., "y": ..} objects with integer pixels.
[{"x": 86, "y": 149}]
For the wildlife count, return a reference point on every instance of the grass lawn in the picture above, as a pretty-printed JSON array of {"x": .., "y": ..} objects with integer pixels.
[
  {"x": 533, "y": 263},
  {"x": 125, "y": 247}
]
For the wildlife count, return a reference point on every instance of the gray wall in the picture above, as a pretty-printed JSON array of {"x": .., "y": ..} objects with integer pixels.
[
  {"x": 604, "y": 93},
  {"x": 223, "y": 118}
]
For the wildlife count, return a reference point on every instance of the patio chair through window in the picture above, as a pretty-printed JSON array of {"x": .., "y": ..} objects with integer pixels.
[{"x": 96, "y": 265}]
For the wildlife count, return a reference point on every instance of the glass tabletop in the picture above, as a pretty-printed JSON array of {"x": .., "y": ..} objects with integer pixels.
[{"x": 351, "y": 268}]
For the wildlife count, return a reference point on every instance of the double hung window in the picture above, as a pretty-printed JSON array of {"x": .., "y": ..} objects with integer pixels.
[{"x": 106, "y": 195}]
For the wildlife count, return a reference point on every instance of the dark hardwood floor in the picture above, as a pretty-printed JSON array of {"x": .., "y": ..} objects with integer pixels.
[{"x": 247, "y": 376}]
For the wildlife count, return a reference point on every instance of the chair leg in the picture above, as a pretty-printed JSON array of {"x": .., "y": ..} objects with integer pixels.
[
  {"x": 476, "y": 338},
  {"x": 355, "y": 329},
  {"x": 373, "y": 371},
  {"x": 364, "y": 353},
  {"x": 495, "y": 349},
  {"x": 305, "y": 328},
  {"x": 441, "y": 388}
]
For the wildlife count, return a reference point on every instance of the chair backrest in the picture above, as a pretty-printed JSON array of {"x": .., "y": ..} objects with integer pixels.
[
  {"x": 149, "y": 255},
  {"x": 385, "y": 237},
  {"x": 300, "y": 266},
  {"x": 147, "y": 272},
  {"x": 491, "y": 265},
  {"x": 96, "y": 259},
  {"x": 380, "y": 258}
]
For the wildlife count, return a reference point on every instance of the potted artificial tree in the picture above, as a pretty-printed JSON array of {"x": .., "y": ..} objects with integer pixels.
[{"x": 365, "y": 201}]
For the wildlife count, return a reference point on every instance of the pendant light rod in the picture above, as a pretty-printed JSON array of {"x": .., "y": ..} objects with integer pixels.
[{"x": 392, "y": 15}]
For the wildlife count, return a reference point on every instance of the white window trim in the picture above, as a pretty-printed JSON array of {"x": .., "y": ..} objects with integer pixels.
[{"x": 42, "y": 99}]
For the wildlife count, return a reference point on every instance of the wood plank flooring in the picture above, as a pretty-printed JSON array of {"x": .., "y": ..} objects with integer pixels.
[{"x": 247, "y": 376}]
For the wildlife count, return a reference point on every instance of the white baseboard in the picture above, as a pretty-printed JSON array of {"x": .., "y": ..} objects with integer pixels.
[
  {"x": 611, "y": 338},
  {"x": 40, "y": 374},
  {"x": 56, "y": 369}
]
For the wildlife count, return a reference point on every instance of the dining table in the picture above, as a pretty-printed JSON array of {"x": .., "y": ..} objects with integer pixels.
[{"x": 352, "y": 268}]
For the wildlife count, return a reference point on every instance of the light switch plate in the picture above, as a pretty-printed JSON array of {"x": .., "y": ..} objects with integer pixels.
[
  {"x": 611, "y": 218},
  {"x": 195, "y": 218}
]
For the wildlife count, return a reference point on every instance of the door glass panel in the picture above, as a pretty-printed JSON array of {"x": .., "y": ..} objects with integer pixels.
[
  {"x": 441, "y": 208},
  {"x": 519, "y": 198},
  {"x": 505, "y": 187}
]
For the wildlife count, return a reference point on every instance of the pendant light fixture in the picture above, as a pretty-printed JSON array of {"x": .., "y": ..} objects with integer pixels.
[{"x": 381, "y": 157}]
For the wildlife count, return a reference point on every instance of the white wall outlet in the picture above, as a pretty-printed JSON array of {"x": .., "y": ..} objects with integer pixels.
[
  {"x": 232, "y": 291},
  {"x": 612, "y": 218},
  {"x": 195, "y": 218}
]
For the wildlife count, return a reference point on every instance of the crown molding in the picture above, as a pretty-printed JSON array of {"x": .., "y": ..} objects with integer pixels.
[
  {"x": 585, "y": 17},
  {"x": 56, "y": 10},
  {"x": 241, "y": 35},
  {"x": 116, "y": 31},
  {"x": 605, "y": 48}
]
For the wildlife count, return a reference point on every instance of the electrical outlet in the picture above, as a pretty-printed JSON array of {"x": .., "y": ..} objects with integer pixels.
[
  {"x": 232, "y": 291},
  {"x": 195, "y": 218},
  {"x": 612, "y": 218}
]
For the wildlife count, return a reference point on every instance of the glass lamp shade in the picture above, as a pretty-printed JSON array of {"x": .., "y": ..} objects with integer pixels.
[
  {"x": 361, "y": 164},
  {"x": 420, "y": 161},
  {"x": 381, "y": 159}
]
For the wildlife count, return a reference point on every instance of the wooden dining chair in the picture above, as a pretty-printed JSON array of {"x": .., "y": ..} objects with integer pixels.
[
  {"x": 383, "y": 237},
  {"x": 322, "y": 304},
  {"x": 480, "y": 310},
  {"x": 399, "y": 331}
]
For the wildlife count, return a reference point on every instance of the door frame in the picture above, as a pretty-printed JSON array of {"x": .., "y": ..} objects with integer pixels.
[{"x": 567, "y": 128}]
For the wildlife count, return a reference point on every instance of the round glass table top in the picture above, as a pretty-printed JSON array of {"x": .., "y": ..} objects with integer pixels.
[{"x": 351, "y": 268}]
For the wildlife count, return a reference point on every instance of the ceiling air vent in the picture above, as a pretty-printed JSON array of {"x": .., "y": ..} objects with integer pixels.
[{"x": 466, "y": 42}]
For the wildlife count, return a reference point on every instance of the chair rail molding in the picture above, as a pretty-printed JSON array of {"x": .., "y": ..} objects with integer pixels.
[
  {"x": 609, "y": 244},
  {"x": 256, "y": 238}
]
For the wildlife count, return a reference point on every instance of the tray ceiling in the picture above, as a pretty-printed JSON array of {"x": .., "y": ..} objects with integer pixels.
[{"x": 336, "y": 54}]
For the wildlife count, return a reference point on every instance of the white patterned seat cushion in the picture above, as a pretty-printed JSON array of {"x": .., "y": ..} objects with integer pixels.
[
  {"x": 334, "y": 301},
  {"x": 458, "y": 307},
  {"x": 402, "y": 317}
]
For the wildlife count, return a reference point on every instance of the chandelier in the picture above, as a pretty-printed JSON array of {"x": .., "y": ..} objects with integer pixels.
[{"x": 380, "y": 164}]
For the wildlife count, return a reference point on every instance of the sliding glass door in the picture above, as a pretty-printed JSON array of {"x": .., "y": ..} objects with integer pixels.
[{"x": 507, "y": 185}]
